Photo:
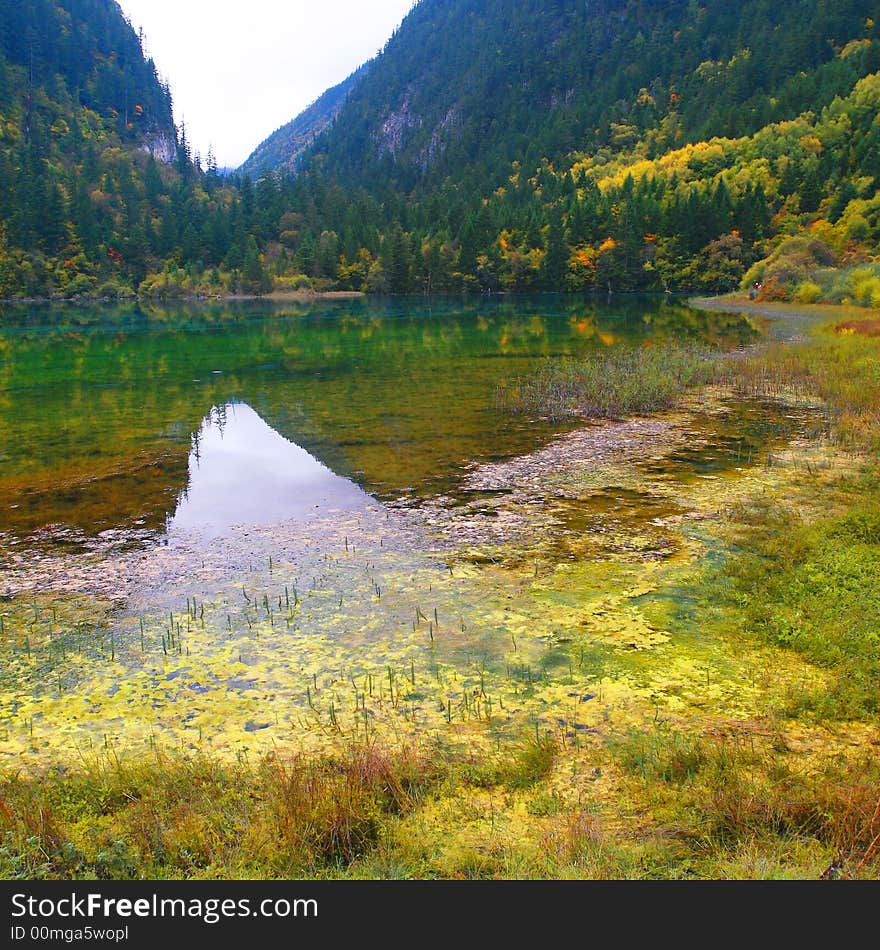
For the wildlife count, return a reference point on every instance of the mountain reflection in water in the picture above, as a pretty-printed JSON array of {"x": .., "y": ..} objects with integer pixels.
[{"x": 242, "y": 472}]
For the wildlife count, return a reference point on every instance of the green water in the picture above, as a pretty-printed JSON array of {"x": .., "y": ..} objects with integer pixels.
[{"x": 103, "y": 410}]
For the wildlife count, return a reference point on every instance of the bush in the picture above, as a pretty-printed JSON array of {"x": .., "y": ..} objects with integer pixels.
[
  {"x": 795, "y": 260},
  {"x": 166, "y": 284},
  {"x": 807, "y": 292},
  {"x": 866, "y": 288},
  {"x": 292, "y": 282},
  {"x": 114, "y": 289},
  {"x": 81, "y": 285}
]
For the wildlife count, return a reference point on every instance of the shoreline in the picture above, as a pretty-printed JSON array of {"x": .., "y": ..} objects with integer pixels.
[
  {"x": 732, "y": 303},
  {"x": 737, "y": 303},
  {"x": 276, "y": 295}
]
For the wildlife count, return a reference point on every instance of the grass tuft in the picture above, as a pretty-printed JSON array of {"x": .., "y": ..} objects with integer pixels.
[{"x": 611, "y": 384}]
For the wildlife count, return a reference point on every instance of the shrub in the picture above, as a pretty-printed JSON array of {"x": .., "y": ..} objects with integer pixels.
[
  {"x": 114, "y": 289},
  {"x": 807, "y": 292},
  {"x": 292, "y": 283},
  {"x": 81, "y": 286}
]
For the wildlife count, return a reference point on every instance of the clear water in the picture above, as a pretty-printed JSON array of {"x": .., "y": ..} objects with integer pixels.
[
  {"x": 210, "y": 415},
  {"x": 301, "y": 547}
]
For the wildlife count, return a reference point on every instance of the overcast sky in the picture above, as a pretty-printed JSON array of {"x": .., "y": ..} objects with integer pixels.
[{"x": 239, "y": 69}]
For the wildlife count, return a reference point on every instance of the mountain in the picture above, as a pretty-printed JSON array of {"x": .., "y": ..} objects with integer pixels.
[
  {"x": 97, "y": 186},
  {"x": 465, "y": 87},
  {"x": 283, "y": 148},
  {"x": 83, "y": 111},
  {"x": 500, "y": 145},
  {"x": 618, "y": 144},
  {"x": 63, "y": 57}
]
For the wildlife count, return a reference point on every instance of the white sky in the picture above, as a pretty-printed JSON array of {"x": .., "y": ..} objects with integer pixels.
[{"x": 239, "y": 70}]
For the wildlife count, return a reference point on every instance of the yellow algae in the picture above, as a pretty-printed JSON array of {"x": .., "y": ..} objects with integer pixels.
[
  {"x": 475, "y": 647},
  {"x": 623, "y": 626}
]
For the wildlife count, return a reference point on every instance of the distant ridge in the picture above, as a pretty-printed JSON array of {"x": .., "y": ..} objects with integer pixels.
[{"x": 283, "y": 148}]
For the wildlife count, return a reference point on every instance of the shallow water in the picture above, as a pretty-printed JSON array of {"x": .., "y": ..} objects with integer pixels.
[
  {"x": 232, "y": 527},
  {"x": 241, "y": 471}
]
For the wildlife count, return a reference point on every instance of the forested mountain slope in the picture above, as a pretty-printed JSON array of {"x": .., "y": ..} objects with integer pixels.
[
  {"x": 283, "y": 148},
  {"x": 505, "y": 145},
  {"x": 96, "y": 185},
  {"x": 477, "y": 152},
  {"x": 67, "y": 55},
  {"x": 465, "y": 87}
]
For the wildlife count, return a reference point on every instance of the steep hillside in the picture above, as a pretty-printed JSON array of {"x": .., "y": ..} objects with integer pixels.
[
  {"x": 465, "y": 87},
  {"x": 506, "y": 145},
  {"x": 58, "y": 57},
  {"x": 283, "y": 148},
  {"x": 97, "y": 187}
]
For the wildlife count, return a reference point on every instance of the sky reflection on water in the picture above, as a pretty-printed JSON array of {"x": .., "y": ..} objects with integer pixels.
[{"x": 243, "y": 472}]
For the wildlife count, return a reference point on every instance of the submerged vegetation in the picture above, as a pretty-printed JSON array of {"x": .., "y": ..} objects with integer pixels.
[{"x": 840, "y": 366}]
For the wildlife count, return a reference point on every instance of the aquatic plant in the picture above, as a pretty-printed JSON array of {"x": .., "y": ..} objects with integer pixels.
[{"x": 622, "y": 381}]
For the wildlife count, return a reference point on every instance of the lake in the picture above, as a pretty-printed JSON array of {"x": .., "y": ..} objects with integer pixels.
[
  {"x": 234, "y": 526},
  {"x": 110, "y": 418}
]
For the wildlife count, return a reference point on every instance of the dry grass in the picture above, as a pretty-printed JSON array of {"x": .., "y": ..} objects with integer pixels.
[
  {"x": 728, "y": 796},
  {"x": 718, "y": 807},
  {"x": 619, "y": 382},
  {"x": 180, "y": 816},
  {"x": 864, "y": 327},
  {"x": 840, "y": 369}
]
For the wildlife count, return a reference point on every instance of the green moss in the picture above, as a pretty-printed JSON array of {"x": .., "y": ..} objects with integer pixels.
[{"x": 812, "y": 588}]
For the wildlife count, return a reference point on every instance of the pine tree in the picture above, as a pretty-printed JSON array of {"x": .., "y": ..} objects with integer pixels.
[{"x": 556, "y": 258}]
